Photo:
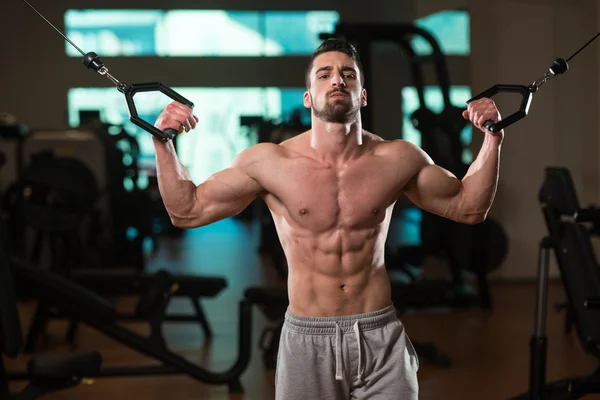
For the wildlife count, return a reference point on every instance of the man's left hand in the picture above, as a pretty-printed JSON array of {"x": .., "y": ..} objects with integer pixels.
[{"x": 481, "y": 110}]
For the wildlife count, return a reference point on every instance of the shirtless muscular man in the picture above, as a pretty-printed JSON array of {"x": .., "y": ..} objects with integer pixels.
[{"x": 331, "y": 191}]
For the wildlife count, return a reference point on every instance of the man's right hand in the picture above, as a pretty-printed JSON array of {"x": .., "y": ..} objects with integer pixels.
[{"x": 176, "y": 116}]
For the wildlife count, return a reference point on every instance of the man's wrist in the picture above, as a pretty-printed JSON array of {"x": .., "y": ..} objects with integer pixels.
[
  {"x": 160, "y": 144},
  {"x": 494, "y": 139}
]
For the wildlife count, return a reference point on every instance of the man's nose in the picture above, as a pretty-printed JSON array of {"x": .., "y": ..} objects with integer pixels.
[{"x": 337, "y": 80}]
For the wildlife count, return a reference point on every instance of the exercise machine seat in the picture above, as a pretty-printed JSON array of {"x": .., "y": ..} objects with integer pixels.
[
  {"x": 118, "y": 282},
  {"x": 65, "y": 366}
]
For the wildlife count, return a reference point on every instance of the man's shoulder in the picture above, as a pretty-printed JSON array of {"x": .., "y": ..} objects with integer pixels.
[
  {"x": 382, "y": 144},
  {"x": 257, "y": 152},
  {"x": 399, "y": 147},
  {"x": 268, "y": 153}
]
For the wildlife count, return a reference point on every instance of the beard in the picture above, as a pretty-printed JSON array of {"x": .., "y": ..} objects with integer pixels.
[{"x": 339, "y": 111}]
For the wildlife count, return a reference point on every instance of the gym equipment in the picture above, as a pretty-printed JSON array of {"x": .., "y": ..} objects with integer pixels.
[
  {"x": 144, "y": 286},
  {"x": 45, "y": 373},
  {"x": 75, "y": 301},
  {"x": 133, "y": 211},
  {"x": 50, "y": 208},
  {"x": 56, "y": 193},
  {"x": 116, "y": 212},
  {"x": 558, "y": 67},
  {"x": 54, "y": 197},
  {"x": 570, "y": 242},
  {"x": 57, "y": 295},
  {"x": 92, "y": 61}
]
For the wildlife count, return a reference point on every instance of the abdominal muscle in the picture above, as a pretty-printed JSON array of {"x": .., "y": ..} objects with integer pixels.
[{"x": 336, "y": 273}]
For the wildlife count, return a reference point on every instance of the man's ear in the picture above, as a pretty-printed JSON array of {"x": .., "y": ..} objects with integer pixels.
[
  {"x": 364, "y": 98},
  {"x": 307, "y": 99}
]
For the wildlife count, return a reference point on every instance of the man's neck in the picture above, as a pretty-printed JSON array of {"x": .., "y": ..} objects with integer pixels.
[{"x": 336, "y": 142}]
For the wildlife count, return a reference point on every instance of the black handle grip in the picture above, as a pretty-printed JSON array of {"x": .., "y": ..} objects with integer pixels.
[
  {"x": 490, "y": 126},
  {"x": 131, "y": 90},
  {"x": 526, "y": 93}
]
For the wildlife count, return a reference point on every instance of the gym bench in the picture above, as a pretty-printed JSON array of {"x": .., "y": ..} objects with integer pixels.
[
  {"x": 140, "y": 284},
  {"x": 55, "y": 294}
]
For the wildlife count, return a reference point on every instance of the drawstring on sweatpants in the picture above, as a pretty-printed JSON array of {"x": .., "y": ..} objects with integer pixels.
[
  {"x": 338, "y": 351},
  {"x": 359, "y": 344}
]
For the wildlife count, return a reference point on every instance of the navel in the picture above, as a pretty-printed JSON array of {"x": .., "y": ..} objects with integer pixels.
[{"x": 303, "y": 211}]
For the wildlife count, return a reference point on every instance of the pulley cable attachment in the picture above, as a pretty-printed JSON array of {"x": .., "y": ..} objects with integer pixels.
[
  {"x": 92, "y": 61},
  {"x": 558, "y": 67}
]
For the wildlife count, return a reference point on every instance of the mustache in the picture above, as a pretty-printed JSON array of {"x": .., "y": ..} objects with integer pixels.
[{"x": 334, "y": 91}]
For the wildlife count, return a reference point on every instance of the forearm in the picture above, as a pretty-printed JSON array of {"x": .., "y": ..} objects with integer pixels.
[
  {"x": 174, "y": 181},
  {"x": 480, "y": 183}
]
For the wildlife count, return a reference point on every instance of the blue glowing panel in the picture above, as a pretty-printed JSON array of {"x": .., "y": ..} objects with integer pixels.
[
  {"x": 193, "y": 33},
  {"x": 451, "y": 30}
]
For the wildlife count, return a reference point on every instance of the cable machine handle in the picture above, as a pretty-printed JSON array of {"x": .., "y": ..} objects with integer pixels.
[
  {"x": 132, "y": 89},
  {"x": 92, "y": 61},
  {"x": 559, "y": 66},
  {"x": 526, "y": 96}
]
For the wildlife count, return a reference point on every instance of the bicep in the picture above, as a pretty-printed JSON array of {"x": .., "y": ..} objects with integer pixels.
[
  {"x": 228, "y": 192},
  {"x": 434, "y": 189},
  {"x": 225, "y": 194}
]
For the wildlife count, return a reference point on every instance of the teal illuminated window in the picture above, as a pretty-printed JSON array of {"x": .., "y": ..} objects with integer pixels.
[
  {"x": 434, "y": 100},
  {"x": 451, "y": 30},
  {"x": 219, "y": 136},
  {"x": 195, "y": 33}
]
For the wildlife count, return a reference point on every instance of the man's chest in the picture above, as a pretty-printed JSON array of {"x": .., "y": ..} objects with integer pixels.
[{"x": 319, "y": 196}]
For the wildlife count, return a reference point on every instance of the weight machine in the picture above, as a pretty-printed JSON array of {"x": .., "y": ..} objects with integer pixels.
[{"x": 569, "y": 239}]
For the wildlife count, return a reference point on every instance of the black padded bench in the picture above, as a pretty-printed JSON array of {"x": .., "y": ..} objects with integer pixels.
[
  {"x": 123, "y": 283},
  {"x": 129, "y": 283},
  {"x": 126, "y": 282}
]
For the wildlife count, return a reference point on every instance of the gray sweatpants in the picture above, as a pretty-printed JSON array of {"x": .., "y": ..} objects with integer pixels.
[{"x": 364, "y": 356}]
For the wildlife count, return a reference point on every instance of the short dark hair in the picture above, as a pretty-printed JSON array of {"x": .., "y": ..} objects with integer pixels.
[{"x": 335, "y": 44}]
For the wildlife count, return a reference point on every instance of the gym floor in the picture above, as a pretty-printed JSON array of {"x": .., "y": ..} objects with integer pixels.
[{"x": 489, "y": 350}]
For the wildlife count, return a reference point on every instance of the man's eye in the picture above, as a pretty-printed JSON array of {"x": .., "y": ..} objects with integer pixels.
[
  {"x": 350, "y": 76},
  {"x": 323, "y": 76}
]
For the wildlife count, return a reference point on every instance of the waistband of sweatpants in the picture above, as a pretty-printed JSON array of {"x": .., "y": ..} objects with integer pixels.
[{"x": 327, "y": 325}]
